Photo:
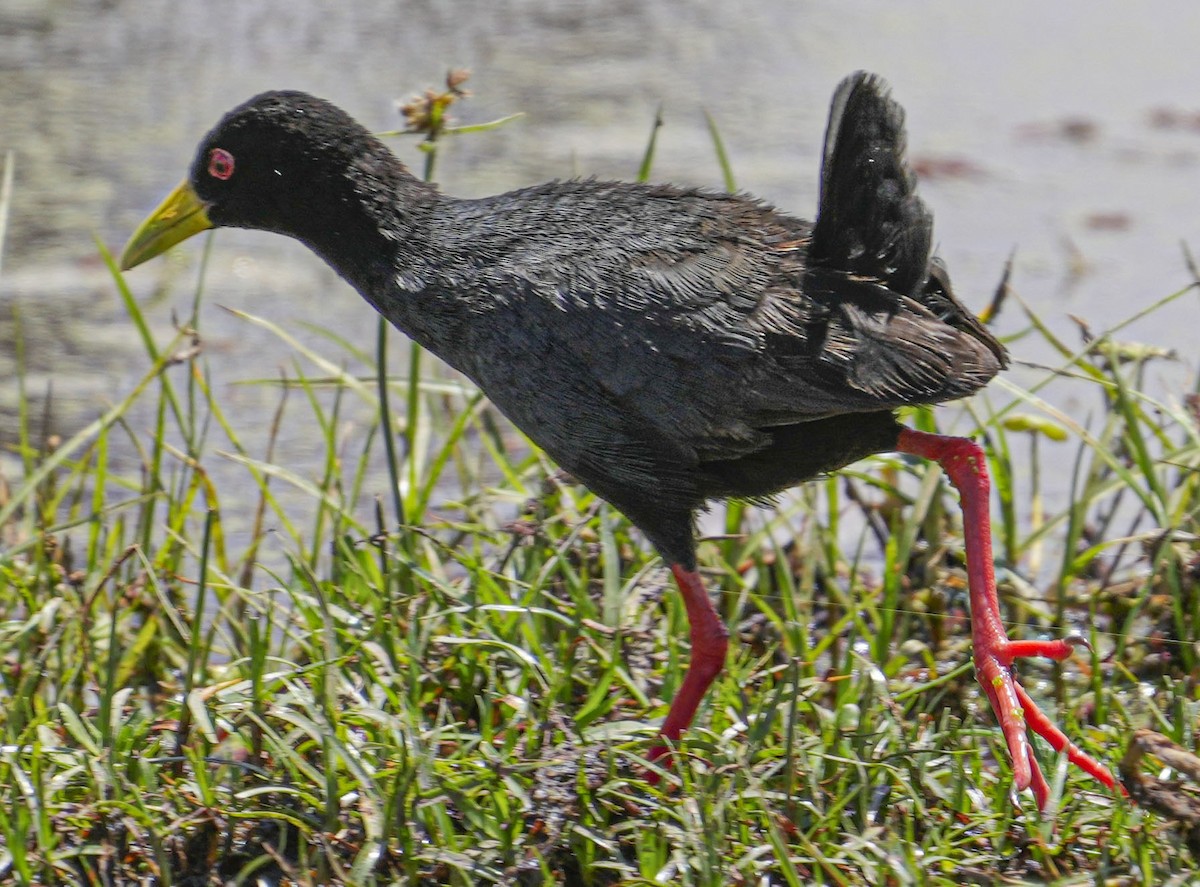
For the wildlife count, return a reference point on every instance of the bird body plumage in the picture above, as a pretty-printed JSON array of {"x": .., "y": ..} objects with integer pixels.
[{"x": 646, "y": 336}]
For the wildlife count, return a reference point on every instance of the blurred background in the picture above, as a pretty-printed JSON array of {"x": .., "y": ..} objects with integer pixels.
[{"x": 1068, "y": 132}]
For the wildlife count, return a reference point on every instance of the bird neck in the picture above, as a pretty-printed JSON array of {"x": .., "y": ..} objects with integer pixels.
[{"x": 381, "y": 225}]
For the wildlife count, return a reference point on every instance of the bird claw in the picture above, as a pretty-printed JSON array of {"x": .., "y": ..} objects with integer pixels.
[{"x": 1075, "y": 639}]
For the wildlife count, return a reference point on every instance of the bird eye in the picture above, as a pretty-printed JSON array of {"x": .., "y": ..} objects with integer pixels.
[{"x": 220, "y": 164}]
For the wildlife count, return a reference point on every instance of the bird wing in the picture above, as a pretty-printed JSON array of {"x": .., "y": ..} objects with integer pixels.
[
  {"x": 690, "y": 320},
  {"x": 727, "y": 341}
]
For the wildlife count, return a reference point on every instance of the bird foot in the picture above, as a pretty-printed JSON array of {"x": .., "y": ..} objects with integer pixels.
[
  {"x": 1018, "y": 714},
  {"x": 994, "y": 653}
]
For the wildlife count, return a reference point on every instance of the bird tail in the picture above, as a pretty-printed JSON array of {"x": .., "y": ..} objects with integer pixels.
[{"x": 870, "y": 221}]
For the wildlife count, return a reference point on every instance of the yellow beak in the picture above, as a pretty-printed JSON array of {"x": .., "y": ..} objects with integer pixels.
[{"x": 177, "y": 218}]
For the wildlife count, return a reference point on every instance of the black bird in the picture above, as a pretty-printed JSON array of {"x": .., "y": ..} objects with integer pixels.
[{"x": 667, "y": 346}]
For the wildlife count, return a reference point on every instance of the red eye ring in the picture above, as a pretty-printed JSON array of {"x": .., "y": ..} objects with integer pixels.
[{"x": 220, "y": 164}]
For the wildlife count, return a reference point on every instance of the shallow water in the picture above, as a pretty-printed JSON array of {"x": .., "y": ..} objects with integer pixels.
[{"x": 1068, "y": 131}]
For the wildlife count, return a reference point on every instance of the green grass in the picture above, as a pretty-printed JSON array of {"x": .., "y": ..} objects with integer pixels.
[{"x": 457, "y": 684}]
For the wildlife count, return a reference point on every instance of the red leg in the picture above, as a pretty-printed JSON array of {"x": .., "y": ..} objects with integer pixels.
[
  {"x": 710, "y": 640},
  {"x": 964, "y": 463}
]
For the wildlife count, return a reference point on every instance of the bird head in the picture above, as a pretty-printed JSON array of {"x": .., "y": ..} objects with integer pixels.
[{"x": 283, "y": 161}]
